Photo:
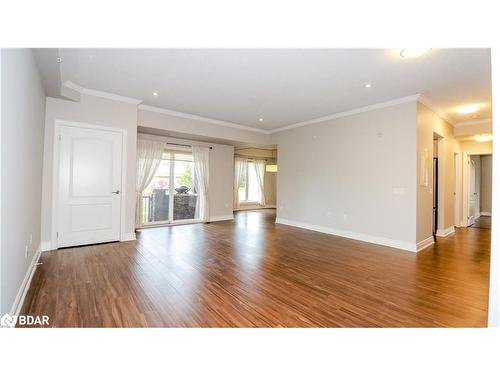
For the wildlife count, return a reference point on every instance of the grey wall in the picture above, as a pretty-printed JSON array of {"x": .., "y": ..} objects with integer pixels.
[
  {"x": 270, "y": 185},
  {"x": 354, "y": 174},
  {"x": 486, "y": 167},
  {"x": 168, "y": 122},
  {"x": 23, "y": 107}
]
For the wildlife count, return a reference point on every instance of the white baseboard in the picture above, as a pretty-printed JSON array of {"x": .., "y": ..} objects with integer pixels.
[
  {"x": 128, "y": 237},
  {"x": 426, "y": 243},
  {"x": 445, "y": 232},
  {"x": 408, "y": 246},
  {"x": 222, "y": 218},
  {"x": 46, "y": 246},
  {"x": 23, "y": 290},
  {"x": 253, "y": 207},
  {"x": 485, "y": 213}
]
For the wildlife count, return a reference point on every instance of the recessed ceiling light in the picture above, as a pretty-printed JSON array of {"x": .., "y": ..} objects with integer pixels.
[
  {"x": 261, "y": 119},
  {"x": 470, "y": 108},
  {"x": 368, "y": 85},
  {"x": 483, "y": 137},
  {"x": 155, "y": 94},
  {"x": 411, "y": 53}
]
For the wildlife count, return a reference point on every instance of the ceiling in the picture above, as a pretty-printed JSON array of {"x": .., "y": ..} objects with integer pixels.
[{"x": 282, "y": 86}]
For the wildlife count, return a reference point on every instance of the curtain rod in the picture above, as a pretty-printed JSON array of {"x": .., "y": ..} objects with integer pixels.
[
  {"x": 178, "y": 144},
  {"x": 256, "y": 148}
]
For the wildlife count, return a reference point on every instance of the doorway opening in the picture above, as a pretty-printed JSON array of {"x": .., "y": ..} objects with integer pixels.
[
  {"x": 435, "y": 184},
  {"x": 479, "y": 191}
]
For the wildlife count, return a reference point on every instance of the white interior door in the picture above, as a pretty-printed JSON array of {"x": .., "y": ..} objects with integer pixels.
[
  {"x": 89, "y": 201},
  {"x": 472, "y": 191}
]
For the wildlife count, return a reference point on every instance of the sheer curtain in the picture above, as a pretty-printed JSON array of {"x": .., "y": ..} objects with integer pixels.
[
  {"x": 260, "y": 169},
  {"x": 240, "y": 166},
  {"x": 148, "y": 160},
  {"x": 201, "y": 158}
]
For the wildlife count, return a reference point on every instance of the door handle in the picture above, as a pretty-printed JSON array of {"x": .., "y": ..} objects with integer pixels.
[{"x": 115, "y": 192}]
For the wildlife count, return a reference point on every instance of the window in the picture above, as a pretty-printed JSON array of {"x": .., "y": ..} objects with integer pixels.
[
  {"x": 172, "y": 194},
  {"x": 249, "y": 190}
]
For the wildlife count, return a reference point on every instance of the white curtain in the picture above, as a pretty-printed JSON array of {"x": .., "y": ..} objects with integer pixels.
[
  {"x": 201, "y": 158},
  {"x": 260, "y": 169},
  {"x": 240, "y": 166},
  {"x": 149, "y": 155}
]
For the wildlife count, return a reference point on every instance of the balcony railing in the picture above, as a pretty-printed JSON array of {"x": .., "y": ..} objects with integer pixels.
[{"x": 155, "y": 207}]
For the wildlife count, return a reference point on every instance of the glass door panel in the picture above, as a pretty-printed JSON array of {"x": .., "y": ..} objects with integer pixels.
[
  {"x": 156, "y": 197},
  {"x": 185, "y": 194}
]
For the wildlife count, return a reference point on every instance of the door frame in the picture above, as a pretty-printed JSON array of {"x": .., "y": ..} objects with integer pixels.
[{"x": 58, "y": 124}]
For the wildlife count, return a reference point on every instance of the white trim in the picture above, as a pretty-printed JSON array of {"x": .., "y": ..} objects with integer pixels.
[
  {"x": 403, "y": 245},
  {"x": 222, "y": 218},
  {"x": 390, "y": 103},
  {"x": 23, "y": 290},
  {"x": 485, "y": 213},
  {"x": 46, "y": 246},
  {"x": 425, "y": 243},
  {"x": 425, "y": 101},
  {"x": 474, "y": 122},
  {"x": 128, "y": 237},
  {"x": 55, "y": 176},
  {"x": 201, "y": 118},
  {"x": 101, "y": 94},
  {"x": 445, "y": 232},
  {"x": 250, "y": 207}
]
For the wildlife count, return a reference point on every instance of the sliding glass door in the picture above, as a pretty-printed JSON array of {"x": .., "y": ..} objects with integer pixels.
[{"x": 172, "y": 195}]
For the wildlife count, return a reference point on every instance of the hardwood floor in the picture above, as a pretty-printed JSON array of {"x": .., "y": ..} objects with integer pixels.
[
  {"x": 483, "y": 222},
  {"x": 255, "y": 273}
]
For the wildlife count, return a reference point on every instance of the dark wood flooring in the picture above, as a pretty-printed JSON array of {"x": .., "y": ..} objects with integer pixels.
[{"x": 252, "y": 272}]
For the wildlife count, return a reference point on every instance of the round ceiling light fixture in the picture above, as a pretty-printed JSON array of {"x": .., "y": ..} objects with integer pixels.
[
  {"x": 412, "y": 53},
  {"x": 368, "y": 85},
  {"x": 483, "y": 137},
  {"x": 155, "y": 94},
  {"x": 469, "y": 108},
  {"x": 261, "y": 119}
]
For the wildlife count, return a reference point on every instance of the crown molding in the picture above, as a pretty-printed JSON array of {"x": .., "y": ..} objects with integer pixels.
[
  {"x": 101, "y": 94},
  {"x": 475, "y": 122},
  {"x": 373, "y": 107},
  {"x": 201, "y": 118},
  {"x": 428, "y": 103}
]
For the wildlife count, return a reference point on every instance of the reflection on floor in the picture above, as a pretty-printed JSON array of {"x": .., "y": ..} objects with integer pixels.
[
  {"x": 252, "y": 272},
  {"x": 483, "y": 222}
]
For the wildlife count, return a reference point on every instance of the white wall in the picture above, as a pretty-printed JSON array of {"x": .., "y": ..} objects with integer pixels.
[
  {"x": 486, "y": 167},
  {"x": 96, "y": 111},
  {"x": 23, "y": 106},
  {"x": 221, "y": 175},
  {"x": 354, "y": 176}
]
